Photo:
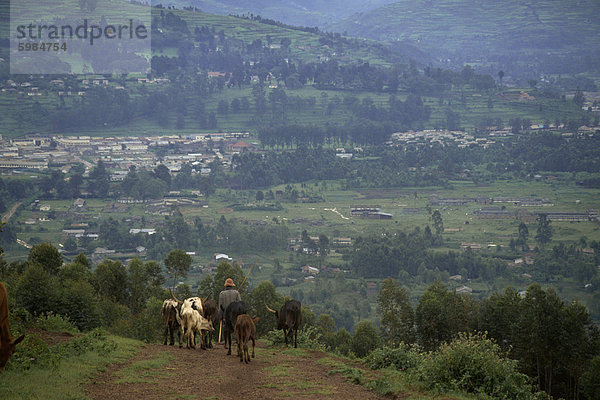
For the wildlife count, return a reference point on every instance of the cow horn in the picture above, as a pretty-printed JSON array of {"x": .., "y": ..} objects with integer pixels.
[
  {"x": 273, "y": 311},
  {"x": 175, "y": 298}
]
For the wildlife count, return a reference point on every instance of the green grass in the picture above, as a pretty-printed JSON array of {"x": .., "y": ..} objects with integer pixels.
[{"x": 68, "y": 380}]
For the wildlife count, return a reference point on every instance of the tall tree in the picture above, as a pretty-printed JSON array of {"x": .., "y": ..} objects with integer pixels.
[
  {"x": 178, "y": 264},
  {"x": 47, "y": 256},
  {"x": 544, "y": 231},
  {"x": 397, "y": 315}
]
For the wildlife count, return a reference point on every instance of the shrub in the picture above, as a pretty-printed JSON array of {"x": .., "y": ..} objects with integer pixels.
[
  {"x": 54, "y": 323},
  {"x": 33, "y": 351},
  {"x": 475, "y": 364},
  {"x": 401, "y": 358},
  {"x": 149, "y": 326},
  {"x": 308, "y": 338}
]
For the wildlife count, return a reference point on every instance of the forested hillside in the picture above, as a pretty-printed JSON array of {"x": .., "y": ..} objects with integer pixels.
[{"x": 520, "y": 36}]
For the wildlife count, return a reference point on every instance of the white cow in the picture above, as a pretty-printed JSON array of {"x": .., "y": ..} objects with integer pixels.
[{"x": 194, "y": 323}]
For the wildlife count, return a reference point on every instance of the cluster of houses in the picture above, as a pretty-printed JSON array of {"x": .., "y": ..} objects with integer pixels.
[
  {"x": 119, "y": 153},
  {"x": 430, "y": 136}
]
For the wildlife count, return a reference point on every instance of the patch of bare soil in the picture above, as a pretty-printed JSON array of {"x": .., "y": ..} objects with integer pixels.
[
  {"x": 212, "y": 374},
  {"x": 51, "y": 338}
]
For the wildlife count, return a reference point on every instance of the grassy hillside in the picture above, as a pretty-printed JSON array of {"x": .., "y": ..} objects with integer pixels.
[{"x": 483, "y": 28}]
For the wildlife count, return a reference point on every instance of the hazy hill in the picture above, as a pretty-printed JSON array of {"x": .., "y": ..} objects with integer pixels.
[
  {"x": 298, "y": 12},
  {"x": 472, "y": 30}
]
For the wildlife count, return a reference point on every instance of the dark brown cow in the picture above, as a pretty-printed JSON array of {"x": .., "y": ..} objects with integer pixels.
[
  {"x": 229, "y": 320},
  {"x": 289, "y": 319},
  {"x": 171, "y": 320},
  {"x": 211, "y": 314},
  {"x": 245, "y": 330},
  {"x": 7, "y": 343}
]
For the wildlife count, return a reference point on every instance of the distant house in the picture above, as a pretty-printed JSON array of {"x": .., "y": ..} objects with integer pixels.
[
  {"x": 220, "y": 256},
  {"x": 79, "y": 202},
  {"x": 470, "y": 245},
  {"x": 307, "y": 269},
  {"x": 455, "y": 278},
  {"x": 241, "y": 146},
  {"x": 463, "y": 290}
]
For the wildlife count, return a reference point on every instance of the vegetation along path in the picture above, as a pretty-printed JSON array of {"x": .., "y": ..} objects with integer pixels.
[{"x": 168, "y": 372}]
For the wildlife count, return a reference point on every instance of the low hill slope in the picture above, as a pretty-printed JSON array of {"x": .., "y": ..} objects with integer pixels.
[{"x": 483, "y": 28}]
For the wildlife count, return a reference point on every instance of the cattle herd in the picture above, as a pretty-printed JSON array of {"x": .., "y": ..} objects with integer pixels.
[
  {"x": 196, "y": 316},
  {"x": 188, "y": 318}
]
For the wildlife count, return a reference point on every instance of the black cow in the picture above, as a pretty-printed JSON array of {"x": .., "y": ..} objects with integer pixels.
[
  {"x": 230, "y": 318},
  {"x": 289, "y": 319}
]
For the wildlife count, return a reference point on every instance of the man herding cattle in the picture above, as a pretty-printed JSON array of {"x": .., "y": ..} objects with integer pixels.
[
  {"x": 7, "y": 343},
  {"x": 226, "y": 297}
]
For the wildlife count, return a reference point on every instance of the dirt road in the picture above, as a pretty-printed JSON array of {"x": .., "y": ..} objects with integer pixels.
[
  {"x": 10, "y": 212},
  {"x": 168, "y": 372}
]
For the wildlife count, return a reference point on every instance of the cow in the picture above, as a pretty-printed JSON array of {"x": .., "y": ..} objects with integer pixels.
[
  {"x": 229, "y": 319},
  {"x": 211, "y": 314},
  {"x": 195, "y": 303},
  {"x": 289, "y": 319},
  {"x": 245, "y": 330},
  {"x": 7, "y": 343},
  {"x": 194, "y": 323},
  {"x": 171, "y": 320}
]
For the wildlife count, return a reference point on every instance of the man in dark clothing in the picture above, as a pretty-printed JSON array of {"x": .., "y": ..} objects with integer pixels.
[{"x": 227, "y": 296}]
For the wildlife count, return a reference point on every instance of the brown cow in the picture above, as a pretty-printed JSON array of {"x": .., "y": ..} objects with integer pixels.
[
  {"x": 7, "y": 343},
  {"x": 245, "y": 330}
]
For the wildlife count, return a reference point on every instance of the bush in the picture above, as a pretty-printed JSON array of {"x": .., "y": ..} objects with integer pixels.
[
  {"x": 308, "y": 338},
  {"x": 54, "y": 323},
  {"x": 474, "y": 364},
  {"x": 149, "y": 326},
  {"x": 401, "y": 358},
  {"x": 33, "y": 351}
]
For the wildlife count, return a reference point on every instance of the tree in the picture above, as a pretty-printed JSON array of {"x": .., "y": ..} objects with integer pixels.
[
  {"x": 578, "y": 98},
  {"x": 234, "y": 271},
  {"x": 70, "y": 244},
  {"x": 264, "y": 294},
  {"x": 178, "y": 264},
  {"x": 544, "y": 231},
  {"x": 162, "y": 172},
  {"x": 523, "y": 235},
  {"x": 438, "y": 222},
  {"x": 37, "y": 290},
  {"x": 111, "y": 281},
  {"x": 441, "y": 314},
  {"x": 323, "y": 246},
  {"x": 99, "y": 180},
  {"x": 365, "y": 338},
  {"x": 47, "y": 256},
  {"x": 397, "y": 315}
]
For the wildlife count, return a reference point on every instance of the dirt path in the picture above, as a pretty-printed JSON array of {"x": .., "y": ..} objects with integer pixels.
[
  {"x": 275, "y": 373},
  {"x": 10, "y": 212}
]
